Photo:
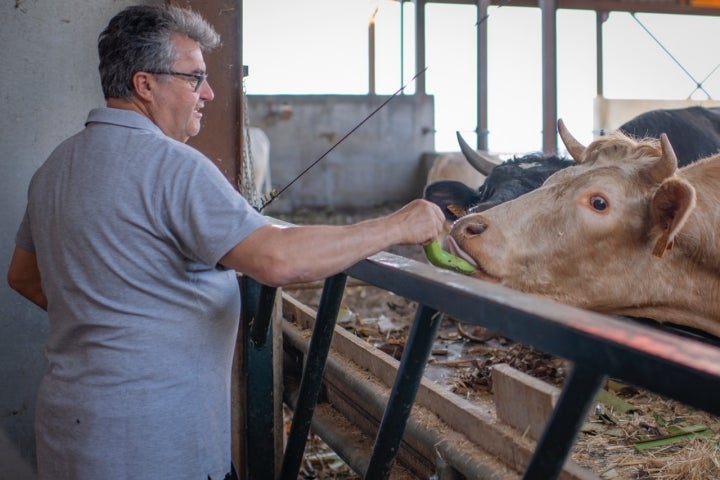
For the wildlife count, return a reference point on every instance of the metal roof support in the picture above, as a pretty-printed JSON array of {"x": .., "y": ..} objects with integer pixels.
[
  {"x": 600, "y": 18},
  {"x": 549, "y": 74},
  {"x": 371, "y": 53},
  {"x": 420, "y": 46},
  {"x": 482, "y": 74},
  {"x": 402, "y": 43}
]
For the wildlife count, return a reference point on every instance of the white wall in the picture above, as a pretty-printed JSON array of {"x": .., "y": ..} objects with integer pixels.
[{"x": 48, "y": 83}]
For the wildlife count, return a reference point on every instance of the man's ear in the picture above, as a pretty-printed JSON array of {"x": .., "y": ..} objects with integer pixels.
[{"x": 143, "y": 84}]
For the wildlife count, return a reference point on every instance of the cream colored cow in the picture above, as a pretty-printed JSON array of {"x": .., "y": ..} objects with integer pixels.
[{"x": 622, "y": 232}]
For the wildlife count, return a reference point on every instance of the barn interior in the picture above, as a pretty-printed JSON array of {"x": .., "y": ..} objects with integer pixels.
[{"x": 50, "y": 82}]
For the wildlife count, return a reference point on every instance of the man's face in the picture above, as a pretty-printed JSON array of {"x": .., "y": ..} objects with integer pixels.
[{"x": 176, "y": 107}]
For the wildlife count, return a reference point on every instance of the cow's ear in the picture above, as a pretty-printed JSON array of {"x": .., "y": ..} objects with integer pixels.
[
  {"x": 451, "y": 196},
  {"x": 670, "y": 208}
]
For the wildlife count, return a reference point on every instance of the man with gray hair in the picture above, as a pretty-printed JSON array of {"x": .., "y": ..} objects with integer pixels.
[{"x": 131, "y": 240}]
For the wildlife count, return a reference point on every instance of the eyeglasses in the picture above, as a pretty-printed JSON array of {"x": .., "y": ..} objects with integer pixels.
[{"x": 195, "y": 83}]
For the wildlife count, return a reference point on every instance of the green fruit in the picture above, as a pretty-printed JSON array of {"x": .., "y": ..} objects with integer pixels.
[{"x": 440, "y": 258}]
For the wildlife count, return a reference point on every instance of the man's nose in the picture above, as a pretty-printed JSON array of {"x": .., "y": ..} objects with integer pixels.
[{"x": 206, "y": 91}]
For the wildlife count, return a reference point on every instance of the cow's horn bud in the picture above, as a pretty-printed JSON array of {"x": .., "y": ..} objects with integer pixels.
[
  {"x": 575, "y": 148},
  {"x": 669, "y": 159}
]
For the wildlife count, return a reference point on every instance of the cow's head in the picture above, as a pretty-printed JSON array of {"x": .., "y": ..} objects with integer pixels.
[
  {"x": 504, "y": 182},
  {"x": 671, "y": 202},
  {"x": 588, "y": 235}
]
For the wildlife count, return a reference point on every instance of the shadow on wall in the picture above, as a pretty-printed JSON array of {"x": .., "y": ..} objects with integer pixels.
[{"x": 13, "y": 465}]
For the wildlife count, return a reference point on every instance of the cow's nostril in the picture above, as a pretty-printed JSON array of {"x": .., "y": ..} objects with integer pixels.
[{"x": 475, "y": 228}]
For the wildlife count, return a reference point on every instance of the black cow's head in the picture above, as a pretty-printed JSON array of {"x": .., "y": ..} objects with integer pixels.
[{"x": 504, "y": 182}]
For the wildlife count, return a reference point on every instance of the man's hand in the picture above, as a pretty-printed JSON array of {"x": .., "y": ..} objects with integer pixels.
[{"x": 419, "y": 222}]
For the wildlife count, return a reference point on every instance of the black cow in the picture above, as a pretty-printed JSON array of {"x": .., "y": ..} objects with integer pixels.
[
  {"x": 505, "y": 182},
  {"x": 694, "y": 133}
]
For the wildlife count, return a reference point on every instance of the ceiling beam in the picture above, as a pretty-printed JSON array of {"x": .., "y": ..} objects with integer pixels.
[{"x": 680, "y": 7}]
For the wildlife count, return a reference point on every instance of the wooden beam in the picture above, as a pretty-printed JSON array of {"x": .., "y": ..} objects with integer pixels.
[{"x": 522, "y": 400}]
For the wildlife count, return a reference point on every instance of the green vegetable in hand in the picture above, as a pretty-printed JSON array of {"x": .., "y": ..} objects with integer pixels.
[{"x": 440, "y": 258}]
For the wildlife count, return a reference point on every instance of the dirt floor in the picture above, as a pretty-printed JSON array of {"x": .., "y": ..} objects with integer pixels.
[{"x": 634, "y": 435}]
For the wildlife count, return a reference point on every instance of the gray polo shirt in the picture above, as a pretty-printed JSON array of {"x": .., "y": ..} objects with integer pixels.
[{"x": 128, "y": 226}]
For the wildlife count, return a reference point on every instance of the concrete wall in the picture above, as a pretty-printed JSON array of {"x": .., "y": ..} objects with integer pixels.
[
  {"x": 378, "y": 164},
  {"x": 48, "y": 83}
]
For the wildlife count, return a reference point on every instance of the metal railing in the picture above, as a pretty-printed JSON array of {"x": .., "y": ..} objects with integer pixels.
[{"x": 678, "y": 366}]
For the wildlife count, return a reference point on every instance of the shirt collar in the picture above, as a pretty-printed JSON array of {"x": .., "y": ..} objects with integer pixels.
[{"x": 124, "y": 118}]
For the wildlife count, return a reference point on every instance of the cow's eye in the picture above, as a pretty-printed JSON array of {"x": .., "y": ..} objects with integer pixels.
[{"x": 598, "y": 203}]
